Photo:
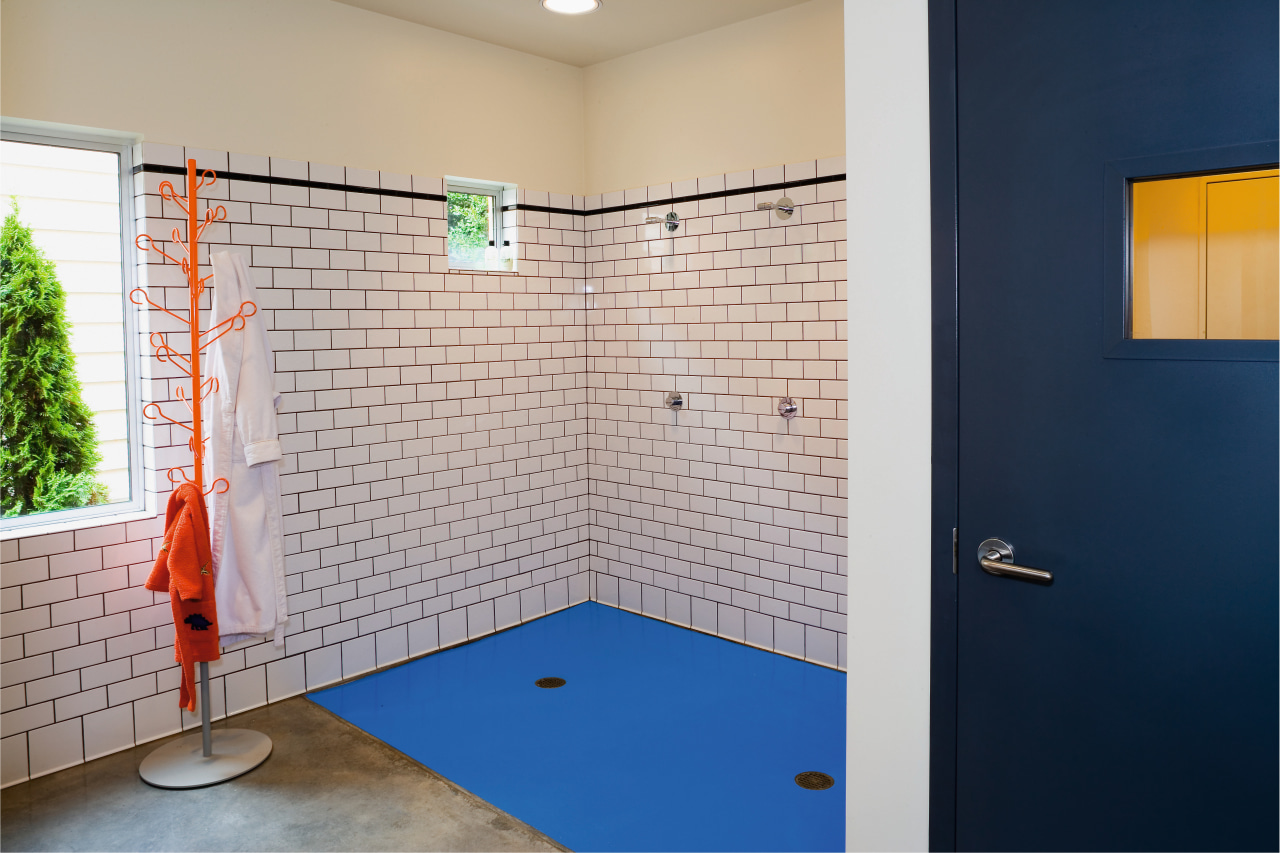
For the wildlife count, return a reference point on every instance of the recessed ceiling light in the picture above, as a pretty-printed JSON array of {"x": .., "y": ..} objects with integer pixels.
[{"x": 571, "y": 7}]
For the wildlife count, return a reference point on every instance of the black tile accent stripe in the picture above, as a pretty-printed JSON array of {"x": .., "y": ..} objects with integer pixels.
[
  {"x": 289, "y": 182},
  {"x": 350, "y": 188},
  {"x": 666, "y": 202}
]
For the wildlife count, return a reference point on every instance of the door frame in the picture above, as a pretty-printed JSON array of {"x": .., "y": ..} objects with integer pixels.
[{"x": 944, "y": 562}]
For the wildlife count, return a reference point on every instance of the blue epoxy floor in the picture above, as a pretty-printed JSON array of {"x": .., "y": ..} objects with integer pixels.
[{"x": 662, "y": 739}]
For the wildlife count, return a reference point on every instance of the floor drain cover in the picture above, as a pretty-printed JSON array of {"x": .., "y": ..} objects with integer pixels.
[
  {"x": 550, "y": 682},
  {"x": 814, "y": 781}
]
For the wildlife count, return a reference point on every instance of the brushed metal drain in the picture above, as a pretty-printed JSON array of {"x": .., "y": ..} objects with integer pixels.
[
  {"x": 550, "y": 682},
  {"x": 814, "y": 781}
]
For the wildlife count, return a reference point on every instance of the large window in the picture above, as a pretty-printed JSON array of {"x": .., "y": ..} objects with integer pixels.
[
  {"x": 478, "y": 239},
  {"x": 70, "y": 448}
]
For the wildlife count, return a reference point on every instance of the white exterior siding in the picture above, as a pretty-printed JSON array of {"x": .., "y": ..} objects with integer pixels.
[{"x": 71, "y": 200}]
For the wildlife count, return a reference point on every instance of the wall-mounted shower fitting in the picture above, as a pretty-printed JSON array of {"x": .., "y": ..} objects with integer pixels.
[
  {"x": 784, "y": 207},
  {"x": 674, "y": 401},
  {"x": 672, "y": 220},
  {"x": 788, "y": 408}
]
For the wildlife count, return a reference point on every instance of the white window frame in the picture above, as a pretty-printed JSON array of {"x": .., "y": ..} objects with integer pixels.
[
  {"x": 137, "y": 506},
  {"x": 495, "y": 190}
]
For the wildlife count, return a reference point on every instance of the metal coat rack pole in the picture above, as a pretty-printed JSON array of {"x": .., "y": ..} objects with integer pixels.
[{"x": 212, "y": 757}]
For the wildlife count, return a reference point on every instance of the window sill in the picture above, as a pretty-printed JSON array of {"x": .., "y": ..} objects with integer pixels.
[
  {"x": 124, "y": 515},
  {"x": 463, "y": 268},
  {"x": 479, "y": 271}
]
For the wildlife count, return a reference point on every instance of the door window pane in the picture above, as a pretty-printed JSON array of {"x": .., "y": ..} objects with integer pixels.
[
  {"x": 1204, "y": 257},
  {"x": 1243, "y": 264}
]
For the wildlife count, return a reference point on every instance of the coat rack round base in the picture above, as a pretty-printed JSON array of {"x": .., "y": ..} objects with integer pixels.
[{"x": 181, "y": 764}]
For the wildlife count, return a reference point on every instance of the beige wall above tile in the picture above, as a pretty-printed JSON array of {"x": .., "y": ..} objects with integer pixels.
[
  {"x": 298, "y": 79},
  {"x": 328, "y": 83},
  {"x": 761, "y": 92}
]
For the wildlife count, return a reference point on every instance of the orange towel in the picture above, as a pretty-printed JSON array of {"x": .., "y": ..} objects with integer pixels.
[{"x": 184, "y": 569}]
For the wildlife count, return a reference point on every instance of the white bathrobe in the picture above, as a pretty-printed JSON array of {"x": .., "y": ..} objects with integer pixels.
[{"x": 244, "y": 447}]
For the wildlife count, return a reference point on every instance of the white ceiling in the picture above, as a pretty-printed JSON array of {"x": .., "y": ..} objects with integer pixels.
[{"x": 617, "y": 28}]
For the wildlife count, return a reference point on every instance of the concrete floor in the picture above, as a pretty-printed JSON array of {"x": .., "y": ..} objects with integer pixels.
[{"x": 326, "y": 786}]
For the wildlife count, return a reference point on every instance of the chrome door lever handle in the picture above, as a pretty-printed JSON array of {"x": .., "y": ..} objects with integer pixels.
[{"x": 996, "y": 558}]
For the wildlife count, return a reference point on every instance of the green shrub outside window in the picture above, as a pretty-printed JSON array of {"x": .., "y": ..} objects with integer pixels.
[
  {"x": 48, "y": 443},
  {"x": 471, "y": 221}
]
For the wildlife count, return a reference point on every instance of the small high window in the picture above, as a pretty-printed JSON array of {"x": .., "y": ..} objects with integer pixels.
[{"x": 480, "y": 236}]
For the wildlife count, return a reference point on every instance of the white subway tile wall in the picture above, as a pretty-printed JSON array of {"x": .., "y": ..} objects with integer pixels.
[
  {"x": 466, "y": 452},
  {"x": 724, "y": 516}
]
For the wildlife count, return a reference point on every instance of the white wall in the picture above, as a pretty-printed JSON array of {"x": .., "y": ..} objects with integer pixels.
[
  {"x": 887, "y": 116},
  {"x": 299, "y": 79},
  {"x": 761, "y": 92}
]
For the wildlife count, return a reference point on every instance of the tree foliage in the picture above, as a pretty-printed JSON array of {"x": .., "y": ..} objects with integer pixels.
[
  {"x": 469, "y": 225},
  {"x": 48, "y": 444}
]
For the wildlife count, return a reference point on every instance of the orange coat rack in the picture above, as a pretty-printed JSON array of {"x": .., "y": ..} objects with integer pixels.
[
  {"x": 196, "y": 225},
  {"x": 181, "y": 763}
]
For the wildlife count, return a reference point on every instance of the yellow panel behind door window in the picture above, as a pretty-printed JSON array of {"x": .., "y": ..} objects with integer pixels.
[{"x": 1206, "y": 257}]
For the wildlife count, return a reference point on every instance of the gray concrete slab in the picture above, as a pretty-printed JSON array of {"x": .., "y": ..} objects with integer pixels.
[{"x": 326, "y": 786}]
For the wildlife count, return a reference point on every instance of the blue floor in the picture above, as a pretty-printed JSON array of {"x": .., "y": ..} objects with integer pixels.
[{"x": 662, "y": 739}]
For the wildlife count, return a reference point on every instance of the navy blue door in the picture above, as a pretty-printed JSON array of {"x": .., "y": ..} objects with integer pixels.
[{"x": 1132, "y": 703}]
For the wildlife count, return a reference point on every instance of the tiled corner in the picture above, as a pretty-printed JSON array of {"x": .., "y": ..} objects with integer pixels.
[{"x": 723, "y": 517}]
